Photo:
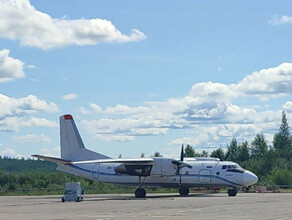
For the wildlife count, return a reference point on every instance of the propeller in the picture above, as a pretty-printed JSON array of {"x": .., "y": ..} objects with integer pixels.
[{"x": 179, "y": 163}]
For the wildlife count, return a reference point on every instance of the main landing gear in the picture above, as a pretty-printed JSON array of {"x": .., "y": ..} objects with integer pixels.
[
  {"x": 140, "y": 192},
  {"x": 232, "y": 192},
  {"x": 183, "y": 191}
]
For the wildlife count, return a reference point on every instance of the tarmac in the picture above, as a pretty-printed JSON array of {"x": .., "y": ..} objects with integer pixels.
[{"x": 154, "y": 206}]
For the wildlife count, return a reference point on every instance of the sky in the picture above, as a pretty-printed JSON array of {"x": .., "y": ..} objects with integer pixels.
[{"x": 143, "y": 76}]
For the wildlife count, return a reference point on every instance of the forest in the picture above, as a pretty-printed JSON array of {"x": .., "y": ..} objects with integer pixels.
[{"x": 271, "y": 163}]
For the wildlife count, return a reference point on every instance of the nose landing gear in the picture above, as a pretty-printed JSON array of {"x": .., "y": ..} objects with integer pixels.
[
  {"x": 183, "y": 191},
  {"x": 232, "y": 192}
]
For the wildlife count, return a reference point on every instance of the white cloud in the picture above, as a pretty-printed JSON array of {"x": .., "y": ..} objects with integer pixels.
[
  {"x": 271, "y": 82},
  {"x": 30, "y": 66},
  {"x": 12, "y": 106},
  {"x": 95, "y": 107},
  {"x": 10, "y": 68},
  {"x": 13, "y": 111},
  {"x": 32, "y": 138},
  {"x": 39, "y": 122},
  {"x": 83, "y": 111},
  {"x": 212, "y": 91},
  {"x": 70, "y": 96},
  {"x": 124, "y": 109},
  {"x": 14, "y": 123},
  {"x": 278, "y": 20},
  {"x": 19, "y": 20},
  {"x": 288, "y": 106},
  {"x": 10, "y": 152},
  {"x": 112, "y": 137}
]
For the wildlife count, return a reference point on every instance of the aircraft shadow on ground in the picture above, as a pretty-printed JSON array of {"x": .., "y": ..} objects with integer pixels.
[{"x": 150, "y": 196}]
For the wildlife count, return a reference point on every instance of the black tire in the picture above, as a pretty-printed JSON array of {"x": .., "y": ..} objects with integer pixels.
[
  {"x": 232, "y": 192},
  {"x": 183, "y": 191},
  {"x": 63, "y": 200},
  {"x": 140, "y": 193}
]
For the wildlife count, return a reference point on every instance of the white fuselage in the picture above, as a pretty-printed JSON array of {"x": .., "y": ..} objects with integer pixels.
[{"x": 207, "y": 172}]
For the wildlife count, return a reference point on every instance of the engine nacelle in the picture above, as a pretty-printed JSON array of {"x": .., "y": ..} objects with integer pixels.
[
  {"x": 136, "y": 170},
  {"x": 163, "y": 167}
]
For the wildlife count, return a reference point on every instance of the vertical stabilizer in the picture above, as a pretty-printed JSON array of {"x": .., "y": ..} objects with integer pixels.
[{"x": 72, "y": 147}]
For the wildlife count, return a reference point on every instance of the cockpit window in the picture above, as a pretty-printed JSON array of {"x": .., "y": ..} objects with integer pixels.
[
  {"x": 235, "y": 168},
  {"x": 224, "y": 167}
]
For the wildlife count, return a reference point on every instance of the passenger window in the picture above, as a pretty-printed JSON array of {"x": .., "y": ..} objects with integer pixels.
[
  {"x": 229, "y": 167},
  {"x": 224, "y": 167}
]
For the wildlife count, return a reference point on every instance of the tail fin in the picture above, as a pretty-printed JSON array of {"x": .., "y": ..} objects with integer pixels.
[{"x": 72, "y": 147}]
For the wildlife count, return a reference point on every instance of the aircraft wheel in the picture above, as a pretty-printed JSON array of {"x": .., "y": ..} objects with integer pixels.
[
  {"x": 184, "y": 191},
  {"x": 232, "y": 192},
  {"x": 63, "y": 200},
  {"x": 140, "y": 193}
]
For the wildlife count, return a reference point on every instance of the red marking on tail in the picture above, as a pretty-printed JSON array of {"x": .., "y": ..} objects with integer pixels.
[{"x": 68, "y": 117}]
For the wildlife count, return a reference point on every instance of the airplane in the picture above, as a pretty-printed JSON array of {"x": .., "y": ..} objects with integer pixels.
[{"x": 158, "y": 171}]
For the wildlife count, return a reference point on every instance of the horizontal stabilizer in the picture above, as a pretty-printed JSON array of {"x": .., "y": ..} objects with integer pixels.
[
  {"x": 52, "y": 159},
  {"x": 125, "y": 161}
]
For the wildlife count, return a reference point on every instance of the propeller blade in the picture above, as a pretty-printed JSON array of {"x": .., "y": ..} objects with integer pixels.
[
  {"x": 175, "y": 162},
  {"x": 182, "y": 153},
  {"x": 219, "y": 156},
  {"x": 180, "y": 164}
]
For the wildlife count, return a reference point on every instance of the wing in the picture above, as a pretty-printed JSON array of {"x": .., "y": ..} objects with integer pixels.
[
  {"x": 147, "y": 161},
  {"x": 52, "y": 159},
  {"x": 135, "y": 167}
]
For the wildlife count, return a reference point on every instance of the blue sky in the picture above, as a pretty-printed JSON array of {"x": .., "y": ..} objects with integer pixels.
[{"x": 142, "y": 76}]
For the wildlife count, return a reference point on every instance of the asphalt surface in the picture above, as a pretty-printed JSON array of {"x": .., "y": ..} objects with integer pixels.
[{"x": 155, "y": 206}]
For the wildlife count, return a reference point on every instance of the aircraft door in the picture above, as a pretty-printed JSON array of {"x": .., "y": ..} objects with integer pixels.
[
  {"x": 205, "y": 176},
  {"x": 95, "y": 171}
]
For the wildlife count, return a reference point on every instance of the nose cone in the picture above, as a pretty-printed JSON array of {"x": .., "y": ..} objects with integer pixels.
[{"x": 249, "y": 178}]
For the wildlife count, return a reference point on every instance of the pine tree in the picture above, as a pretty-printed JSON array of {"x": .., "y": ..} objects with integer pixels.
[
  {"x": 243, "y": 152},
  {"x": 282, "y": 140},
  {"x": 189, "y": 151},
  {"x": 233, "y": 150},
  {"x": 259, "y": 146}
]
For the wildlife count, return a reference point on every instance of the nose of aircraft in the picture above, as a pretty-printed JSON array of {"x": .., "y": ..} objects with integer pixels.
[{"x": 249, "y": 178}]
